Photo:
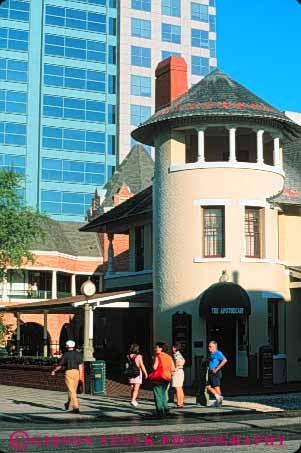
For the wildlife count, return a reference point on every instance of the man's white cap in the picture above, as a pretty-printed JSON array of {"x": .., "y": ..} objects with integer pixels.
[{"x": 70, "y": 344}]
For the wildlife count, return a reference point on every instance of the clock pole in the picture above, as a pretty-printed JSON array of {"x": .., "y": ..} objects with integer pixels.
[{"x": 88, "y": 334}]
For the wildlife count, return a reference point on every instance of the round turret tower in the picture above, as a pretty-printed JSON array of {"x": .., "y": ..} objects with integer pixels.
[{"x": 218, "y": 165}]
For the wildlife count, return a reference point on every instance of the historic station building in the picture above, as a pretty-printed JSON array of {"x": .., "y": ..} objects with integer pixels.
[
  {"x": 225, "y": 219},
  {"x": 211, "y": 250}
]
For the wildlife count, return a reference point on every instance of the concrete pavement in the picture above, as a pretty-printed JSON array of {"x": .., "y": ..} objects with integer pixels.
[
  {"x": 34, "y": 404},
  {"x": 34, "y": 420}
]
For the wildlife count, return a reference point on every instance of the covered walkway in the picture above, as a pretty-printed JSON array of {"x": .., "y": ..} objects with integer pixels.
[{"x": 79, "y": 305}]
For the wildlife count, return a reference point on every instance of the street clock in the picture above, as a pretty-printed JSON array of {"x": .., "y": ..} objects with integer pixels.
[{"x": 88, "y": 288}]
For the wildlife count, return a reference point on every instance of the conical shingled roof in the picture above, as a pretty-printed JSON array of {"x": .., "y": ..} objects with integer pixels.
[{"x": 216, "y": 96}]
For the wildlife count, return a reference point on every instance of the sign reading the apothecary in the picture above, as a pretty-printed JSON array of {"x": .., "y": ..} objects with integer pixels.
[{"x": 227, "y": 311}]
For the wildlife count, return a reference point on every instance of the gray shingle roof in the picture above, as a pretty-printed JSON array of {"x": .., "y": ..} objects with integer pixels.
[
  {"x": 136, "y": 172},
  {"x": 292, "y": 166},
  {"x": 64, "y": 237},
  {"x": 216, "y": 96}
]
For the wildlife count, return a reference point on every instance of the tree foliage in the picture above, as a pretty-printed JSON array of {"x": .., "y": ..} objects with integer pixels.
[
  {"x": 20, "y": 225},
  {"x": 5, "y": 330}
]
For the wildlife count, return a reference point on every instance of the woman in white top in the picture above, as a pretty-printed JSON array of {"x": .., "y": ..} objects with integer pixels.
[{"x": 178, "y": 375}]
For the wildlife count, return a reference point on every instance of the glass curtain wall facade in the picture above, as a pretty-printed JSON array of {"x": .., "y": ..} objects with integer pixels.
[
  {"x": 58, "y": 100},
  {"x": 150, "y": 31},
  {"x": 77, "y": 76}
]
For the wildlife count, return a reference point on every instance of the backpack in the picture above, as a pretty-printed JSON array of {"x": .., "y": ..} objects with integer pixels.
[{"x": 131, "y": 370}]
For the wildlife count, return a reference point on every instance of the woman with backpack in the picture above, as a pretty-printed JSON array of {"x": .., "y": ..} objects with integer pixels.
[{"x": 135, "y": 366}]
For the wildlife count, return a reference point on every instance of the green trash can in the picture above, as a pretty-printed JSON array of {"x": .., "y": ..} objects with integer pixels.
[{"x": 98, "y": 377}]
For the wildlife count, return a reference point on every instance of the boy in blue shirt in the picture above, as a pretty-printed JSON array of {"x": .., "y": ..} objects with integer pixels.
[{"x": 216, "y": 361}]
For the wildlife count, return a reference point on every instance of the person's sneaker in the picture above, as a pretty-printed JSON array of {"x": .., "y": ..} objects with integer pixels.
[
  {"x": 219, "y": 401},
  {"x": 66, "y": 405},
  {"x": 134, "y": 403},
  {"x": 75, "y": 411}
]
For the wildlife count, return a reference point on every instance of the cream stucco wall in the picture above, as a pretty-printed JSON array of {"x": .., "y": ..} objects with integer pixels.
[
  {"x": 290, "y": 239},
  {"x": 180, "y": 272}
]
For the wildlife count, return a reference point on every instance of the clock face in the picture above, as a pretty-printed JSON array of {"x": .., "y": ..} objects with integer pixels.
[{"x": 88, "y": 288}]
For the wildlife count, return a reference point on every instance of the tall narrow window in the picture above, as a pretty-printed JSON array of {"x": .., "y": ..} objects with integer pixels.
[
  {"x": 214, "y": 232},
  {"x": 252, "y": 232}
]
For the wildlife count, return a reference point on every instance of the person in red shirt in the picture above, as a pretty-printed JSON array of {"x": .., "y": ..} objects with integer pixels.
[{"x": 163, "y": 368}]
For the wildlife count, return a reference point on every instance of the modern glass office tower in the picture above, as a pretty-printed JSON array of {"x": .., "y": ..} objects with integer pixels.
[
  {"x": 77, "y": 77},
  {"x": 150, "y": 31}
]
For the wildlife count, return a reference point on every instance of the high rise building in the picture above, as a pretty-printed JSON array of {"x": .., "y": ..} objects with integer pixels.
[
  {"x": 77, "y": 77},
  {"x": 150, "y": 31}
]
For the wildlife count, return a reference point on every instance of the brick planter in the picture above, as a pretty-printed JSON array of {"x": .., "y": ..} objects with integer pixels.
[
  {"x": 38, "y": 376},
  {"x": 34, "y": 376}
]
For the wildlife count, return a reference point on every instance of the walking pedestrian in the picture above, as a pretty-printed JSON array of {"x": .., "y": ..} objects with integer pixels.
[
  {"x": 163, "y": 367},
  {"x": 177, "y": 379},
  {"x": 72, "y": 363},
  {"x": 216, "y": 361},
  {"x": 136, "y": 381}
]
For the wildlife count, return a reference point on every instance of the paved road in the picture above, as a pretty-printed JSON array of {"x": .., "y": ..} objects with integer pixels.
[{"x": 111, "y": 425}]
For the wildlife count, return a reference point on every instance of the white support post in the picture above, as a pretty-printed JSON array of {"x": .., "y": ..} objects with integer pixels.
[
  {"x": 277, "y": 152},
  {"x": 73, "y": 285},
  {"x": 54, "y": 285},
  {"x": 260, "y": 147},
  {"x": 232, "y": 140},
  {"x": 4, "y": 296},
  {"x": 45, "y": 334},
  {"x": 88, "y": 334},
  {"x": 110, "y": 253},
  {"x": 201, "y": 145}
]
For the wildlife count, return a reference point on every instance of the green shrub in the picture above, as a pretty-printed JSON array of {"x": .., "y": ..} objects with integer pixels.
[{"x": 28, "y": 360}]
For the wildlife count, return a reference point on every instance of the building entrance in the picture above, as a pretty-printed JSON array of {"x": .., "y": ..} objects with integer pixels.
[
  {"x": 232, "y": 337},
  {"x": 224, "y": 333},
  {"x": 226, "y": 307}
]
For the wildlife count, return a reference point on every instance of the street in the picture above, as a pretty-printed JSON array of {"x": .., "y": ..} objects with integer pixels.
[{"x": 33, "y": 420}]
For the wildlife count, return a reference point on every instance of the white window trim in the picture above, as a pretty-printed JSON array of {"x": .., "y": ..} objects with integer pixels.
[
  {"x": 255, "y": 203},
  {"x": 212, "y": 260},
  {"x": 204, "y": 202},
  {"x": 256, "y": 260}
]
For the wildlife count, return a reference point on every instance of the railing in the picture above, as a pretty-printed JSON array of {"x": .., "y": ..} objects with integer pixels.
[{"x": 27, "y": 294}]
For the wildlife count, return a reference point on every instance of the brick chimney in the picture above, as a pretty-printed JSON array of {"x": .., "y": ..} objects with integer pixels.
[{"x": 171, "y": 81}]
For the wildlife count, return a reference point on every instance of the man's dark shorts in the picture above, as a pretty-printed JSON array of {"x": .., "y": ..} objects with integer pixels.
[{"x": 214, "y": 380}]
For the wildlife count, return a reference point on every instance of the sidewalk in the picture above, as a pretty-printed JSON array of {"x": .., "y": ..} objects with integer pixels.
[{"x": 28, "y": 404}]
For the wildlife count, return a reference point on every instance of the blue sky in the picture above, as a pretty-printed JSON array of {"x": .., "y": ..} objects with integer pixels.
[{"x": 259, "y": 45}]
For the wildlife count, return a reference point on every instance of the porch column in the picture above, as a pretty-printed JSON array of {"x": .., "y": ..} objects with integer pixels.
[
  {"x": 110, "y": 252},
  {"x": 88, "y": 334},
  {"x": 18, "y": 316},
  {"x": 232, "y": 140},
  {"x": 201, "y": 145},
  {"x": 260, "y": 147},
  {"x": 4, "y": 297},
  {"x": 54, "y": 285},
  {"x": 73, "y": 285},
  {"x": 45, "y": 334},
  {"x": 277, "y": 152}
]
